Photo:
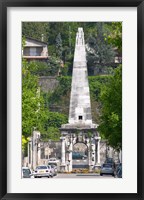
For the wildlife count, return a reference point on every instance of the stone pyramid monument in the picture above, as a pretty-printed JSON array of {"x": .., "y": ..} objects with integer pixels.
[
  {"x": 80, "y": 128},
  {"x": 80, "y": 106}
]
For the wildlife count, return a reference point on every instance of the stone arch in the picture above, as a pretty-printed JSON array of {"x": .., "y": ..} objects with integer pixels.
[
  {"x": 71, "y": 137},
  {"x": 80, "y": 155},
  {"x": 80, "y": 147}
]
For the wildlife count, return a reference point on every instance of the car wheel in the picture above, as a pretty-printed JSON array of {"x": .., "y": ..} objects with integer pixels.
[
  {"x": 101, "y": 174},
  {"x": 48, "y": 176}
]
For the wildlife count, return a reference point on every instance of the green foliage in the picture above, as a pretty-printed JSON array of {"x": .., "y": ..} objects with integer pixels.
[
  {"x": 111, "y": 119},
  {"x": 114, "y": 35},
  {"x": 35, "y": 30},
  {"x": 51, "y": 134},
  {"x": 53, "y": 122},
  {"x": 45, "y": 69},
  {"x": 60, "y": 37},
  {"x": 59, "y": 47},
  {"x": 105, "y": 91},
  {"x": 55, "y": 119},
  {"x": 33, "y": 113},
  {"x": 24, "y": 143},
  {"x": 99, "y": 51},
  {"x": 35, "y": 109},
  {"x": 23, "y": 42},
  {"x": 64, "y": 70},
  {"x": 96, "y": 84}
]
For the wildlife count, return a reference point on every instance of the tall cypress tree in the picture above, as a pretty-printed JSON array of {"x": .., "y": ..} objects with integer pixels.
[
  {"x": 99, "y": 52},
  {"x": 59, "y": 48}
]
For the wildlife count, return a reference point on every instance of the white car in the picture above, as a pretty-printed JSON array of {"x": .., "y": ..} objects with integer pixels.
[{"x": 42, "y": 171}]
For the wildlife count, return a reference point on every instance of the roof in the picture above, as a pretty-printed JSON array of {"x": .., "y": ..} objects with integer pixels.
[
  {"x": 36, "y": 40},
  {"x": 35, "y": 57}
]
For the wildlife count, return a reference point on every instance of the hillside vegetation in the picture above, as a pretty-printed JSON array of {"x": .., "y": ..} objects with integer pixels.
[{"x": 46, "y": 112}]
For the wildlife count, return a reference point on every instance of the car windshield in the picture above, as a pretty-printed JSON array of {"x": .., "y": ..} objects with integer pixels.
[
  {"x": 107, "y": 165},
  {"x": 52, "y": 159},
  {"x": 26, "y": 171},
  {"x": 53, "y": 164},
  {"x": 109, "y": 160},
  {"x": 41, "y": 167}
]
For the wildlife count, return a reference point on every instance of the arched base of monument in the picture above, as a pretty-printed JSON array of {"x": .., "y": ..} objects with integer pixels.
[{"x": 79, "y": 133}]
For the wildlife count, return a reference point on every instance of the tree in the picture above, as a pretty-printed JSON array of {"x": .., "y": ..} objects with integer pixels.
[
  {"x": 59, "y": 48},
  {"x": 99, "y": 52},
  {"x": 33, "y": 113},
  {"x": 51, "y": 134},
  {"x": 114, "y": 35},
  {"x": 35, "y": 30},
  {"x": 55, "y": 119},
  {"x": 53, "y": 122},
  {"x": 49, "y": 68},
  {"x": 111, "y": 118}
]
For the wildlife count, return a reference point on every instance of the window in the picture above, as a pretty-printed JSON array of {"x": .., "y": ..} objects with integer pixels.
[
  {"x": 80, "y": 117},
  {"x": 33, "y": 51}
]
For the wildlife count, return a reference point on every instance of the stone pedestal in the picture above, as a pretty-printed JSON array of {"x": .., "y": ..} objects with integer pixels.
[
  {"x": 63, "y": 155},
  {"x": 30, "y": 153},
  {"x": 38, "y": 153},
  {"x": 93, "y": 157},
  {"x": 89, "y": 159},
  {"x": 98, "y": 151},
  {"x": 35, "y": 143},
  {"x": 70, "y": 155}
]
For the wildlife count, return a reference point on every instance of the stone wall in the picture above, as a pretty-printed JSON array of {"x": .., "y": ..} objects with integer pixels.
[{"x": 48, "y": 83}]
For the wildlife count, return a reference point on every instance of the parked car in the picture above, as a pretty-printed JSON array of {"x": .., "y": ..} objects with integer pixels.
[
  {"x": 110, "y": 161},
  {"x": 42, "y": 171},
  {"x": 107, "y": 168},
  {"x": 78, "y": 155},
  {"x": 26, "y": 172}
]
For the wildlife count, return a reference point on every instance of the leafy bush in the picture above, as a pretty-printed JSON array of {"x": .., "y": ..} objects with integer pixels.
[{"x": 49, "y": 68}]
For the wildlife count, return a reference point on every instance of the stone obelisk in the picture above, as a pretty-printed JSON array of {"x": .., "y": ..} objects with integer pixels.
[
  {"x": 80, "y": 107},
  {"x": 80, "y": 118}
]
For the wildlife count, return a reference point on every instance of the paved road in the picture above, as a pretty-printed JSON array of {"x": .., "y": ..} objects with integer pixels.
[{"x": 82, "y": 176}]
